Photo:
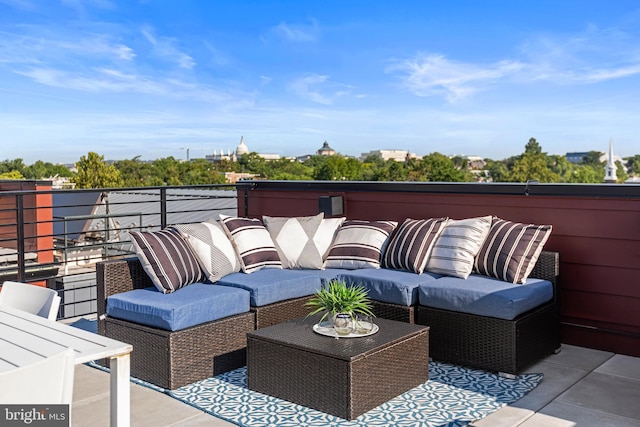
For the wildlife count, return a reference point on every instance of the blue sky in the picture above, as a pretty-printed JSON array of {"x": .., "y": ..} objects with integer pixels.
[{"x": 152, "y": 78}]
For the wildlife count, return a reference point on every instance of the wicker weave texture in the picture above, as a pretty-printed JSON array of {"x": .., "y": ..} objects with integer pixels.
[
  {"x": 282, "y": 311},
  {"x": 165, "y": 358},
  {"x": 173, "y": 359},
  {"x": 336, "y": 386},
  {"x": 494, "y": 344}
]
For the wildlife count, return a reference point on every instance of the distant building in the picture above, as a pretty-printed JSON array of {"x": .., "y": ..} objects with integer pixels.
[
  {"x": 61, "y": 183},
  {"x": 577, "y": 157},
  {"x": 610, "y": 168},
  {"x": 234, "y": 156},
  {"x": 475, "y": 162},
  {"x": 326, "y": 150},
  {"x": 233, "y": 177},
  {"x": 397, "y": 155}
]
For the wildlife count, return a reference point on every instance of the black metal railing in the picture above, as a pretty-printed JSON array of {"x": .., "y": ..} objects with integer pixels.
[{"x": 57, "y": 236}]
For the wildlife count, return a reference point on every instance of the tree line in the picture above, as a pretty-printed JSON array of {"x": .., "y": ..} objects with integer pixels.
[{"x": 533, "y": 164}]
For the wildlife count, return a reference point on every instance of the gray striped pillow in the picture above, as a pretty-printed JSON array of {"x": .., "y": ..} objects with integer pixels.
[
  {"x": 166, "y": 258},
  {"x": 359, "y": 244},
  {"x": 455, "y": 249},
  {"x": 511, "y": 250},
  {"x": 252, "y": 243},
  {"x": 411, "y": 245}
]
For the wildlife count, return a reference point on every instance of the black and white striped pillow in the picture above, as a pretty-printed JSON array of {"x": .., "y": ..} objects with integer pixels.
[
  {"x": 511, "y": 250},
  {"x": 455, "y": 249},
  {"x": 411, "y": 245},
  {"x": 252, "y": 243},
  {"x": 359, "y": 244},
  {"x": 166, "y": 258}
]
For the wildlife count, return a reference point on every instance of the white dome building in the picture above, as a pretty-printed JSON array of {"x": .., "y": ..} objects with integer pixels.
[{"x": 242, "y": 148}]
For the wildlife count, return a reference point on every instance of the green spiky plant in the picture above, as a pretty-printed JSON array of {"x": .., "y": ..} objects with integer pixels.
[{"x": 337, "y": 297}]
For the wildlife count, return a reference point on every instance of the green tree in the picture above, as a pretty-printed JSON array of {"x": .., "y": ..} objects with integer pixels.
[
  {"x": 593, "y": 158},
  {"x": 287, "y": 169},
  {"x": 11, "y": 175},
  {"x": 621, "y": 173},
  {"x": 633, "y": 165},
  {"x": 562, "y": 167},
  {"x": 201, "y": 171},
  {"x": 16, "y": 165},
  {"x": 168, "y": 170},
  {"x": 40, "y": 170},
  {"x": 498, "y": 170},
  {"x": 253, "y": 163},
  {"x": 339, "y": 168},
  {"x": 93, "y": 172},
  {"x": 532, "y": 165},
  {"x": 437, "y": 167},
  {"x": 587, "y": 174}
]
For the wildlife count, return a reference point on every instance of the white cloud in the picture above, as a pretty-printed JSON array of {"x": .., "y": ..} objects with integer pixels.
[
  {"x": 434, "y": 74},
  {"x": 165, "y": 47},
  {"x": 299, "y": 33},
  {"x": 309, "y": 87}
]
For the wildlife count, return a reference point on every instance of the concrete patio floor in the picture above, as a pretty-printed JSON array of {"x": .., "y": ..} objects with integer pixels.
[{"x": 581, "y": 387}]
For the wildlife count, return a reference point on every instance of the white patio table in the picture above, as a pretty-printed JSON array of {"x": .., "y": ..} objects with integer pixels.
[{"x": 26, "y": 338}]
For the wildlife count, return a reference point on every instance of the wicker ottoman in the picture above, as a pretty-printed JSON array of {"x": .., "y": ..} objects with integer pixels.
[{"x": 344, "y": 377}]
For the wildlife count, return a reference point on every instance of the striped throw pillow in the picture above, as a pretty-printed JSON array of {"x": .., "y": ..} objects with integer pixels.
[
  {"x": 411, "y": 245},
  {"x": 359, "y": 244},
  {"x": 455, "y": 249},
  {"x": 166, "y": 258},
  {"x": 511, "y": 250},
  {"x": 252, "y": 243},
  {"x": 212, "y": 248}
]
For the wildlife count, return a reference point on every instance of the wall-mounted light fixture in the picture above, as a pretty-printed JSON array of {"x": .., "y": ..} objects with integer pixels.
[{"x": 331, "y": 205}]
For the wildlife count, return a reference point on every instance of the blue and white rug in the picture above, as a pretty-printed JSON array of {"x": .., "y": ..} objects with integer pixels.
[{"x": 453, "y": 396}]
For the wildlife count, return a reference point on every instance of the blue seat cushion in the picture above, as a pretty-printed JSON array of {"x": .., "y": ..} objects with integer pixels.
[
  {"x": 387, "y": 285},
  {"x": 188, "y": 306},
  {"x": 485, "y": 296},
  {"x": 271, "y": 285}
]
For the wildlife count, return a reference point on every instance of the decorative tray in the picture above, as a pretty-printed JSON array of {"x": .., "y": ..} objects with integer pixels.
[{"x": 324, "y": 328}]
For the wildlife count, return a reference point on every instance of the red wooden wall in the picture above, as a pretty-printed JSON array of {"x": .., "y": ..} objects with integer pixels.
[
  {"x": 596, "y": 229},
  {"x": 38, "y": 218}
]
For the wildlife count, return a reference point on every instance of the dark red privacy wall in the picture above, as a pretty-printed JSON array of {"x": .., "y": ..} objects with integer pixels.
[{"x": 596, "y": 229}]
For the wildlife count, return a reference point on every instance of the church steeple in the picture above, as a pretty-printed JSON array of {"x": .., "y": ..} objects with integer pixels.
[{"x": 610, "y": 168}]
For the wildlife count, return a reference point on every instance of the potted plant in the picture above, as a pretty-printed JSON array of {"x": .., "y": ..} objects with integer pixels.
[{"x": 340, "y": 301}]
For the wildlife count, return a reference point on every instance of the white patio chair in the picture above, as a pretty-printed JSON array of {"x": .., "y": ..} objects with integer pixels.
[
  {"x": 31, "y": 298},
  {"x": 48, "y": 381}
]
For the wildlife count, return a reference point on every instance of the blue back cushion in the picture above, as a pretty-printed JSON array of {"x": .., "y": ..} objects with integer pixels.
[
  {"x": 188, "y": 306},
  {"x": 267, "y": 286},
  {"x": 485, "y": 296},
  {"x": 390, "y": 286}
]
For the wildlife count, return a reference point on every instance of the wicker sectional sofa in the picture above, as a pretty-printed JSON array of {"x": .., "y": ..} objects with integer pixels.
[{"x": 505, "y": 328}]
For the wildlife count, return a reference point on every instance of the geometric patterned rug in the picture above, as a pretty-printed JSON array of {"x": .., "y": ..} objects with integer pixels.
[{"x": 453, "y": 396}]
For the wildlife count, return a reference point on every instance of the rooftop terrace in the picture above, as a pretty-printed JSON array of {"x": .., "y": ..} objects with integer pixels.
[{"x": 595, "y": 380}]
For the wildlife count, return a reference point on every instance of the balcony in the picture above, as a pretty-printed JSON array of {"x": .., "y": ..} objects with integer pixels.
[{"x": 54, "y": 238}]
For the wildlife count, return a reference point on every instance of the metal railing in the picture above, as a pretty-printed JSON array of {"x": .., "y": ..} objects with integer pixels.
[{"x": 55, "y": 237}]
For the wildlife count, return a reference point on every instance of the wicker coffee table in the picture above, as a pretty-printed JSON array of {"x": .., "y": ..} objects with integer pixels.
[{"x": 344, "y": 377}]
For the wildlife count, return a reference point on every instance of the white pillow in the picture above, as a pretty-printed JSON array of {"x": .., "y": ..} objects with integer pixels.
[
  {"x": 212, "y": 248},
  {"x": 457, "y": 246},
  {"x": 252, "y": 243},
  {"x": 294, "y": 240},
  {"x": 326, "y": 234}
]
